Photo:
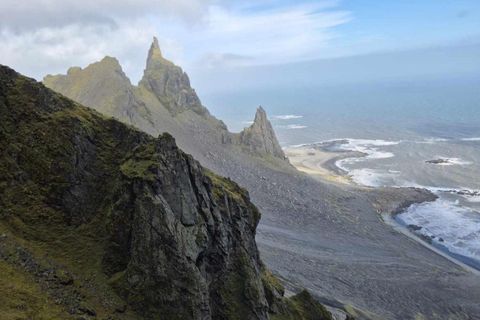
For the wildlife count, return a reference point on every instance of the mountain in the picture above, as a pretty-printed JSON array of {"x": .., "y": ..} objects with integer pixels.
[
  {"x": 100, "y": 220},
  {"x": 163, "y": 101},
  {"x": 169, "y": 83},
  {"x": 260, "y": 137},
  {"x": 331, "y": 239}
]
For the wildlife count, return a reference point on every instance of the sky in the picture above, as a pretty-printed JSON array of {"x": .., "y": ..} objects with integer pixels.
[{"x": 39, "y": 37}]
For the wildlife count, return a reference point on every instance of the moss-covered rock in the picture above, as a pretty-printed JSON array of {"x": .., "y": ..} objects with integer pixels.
[{"x": 105, "y": 221}]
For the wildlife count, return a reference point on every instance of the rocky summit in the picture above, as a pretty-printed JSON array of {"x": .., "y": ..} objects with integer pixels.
[
  {"x": 169, "y": 83},
  {"x": 101, "y": 221},
  {"x": 260, "y": 137},
  {"x": 163, "y": 101}
]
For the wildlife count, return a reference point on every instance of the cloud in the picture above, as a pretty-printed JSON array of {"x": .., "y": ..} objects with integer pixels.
[
  {"x": 39, "y": 37},
  {"x": 34, "y": 14},
  {"x": 273, "y": 34},
  {"x": 287, "y": 117}
]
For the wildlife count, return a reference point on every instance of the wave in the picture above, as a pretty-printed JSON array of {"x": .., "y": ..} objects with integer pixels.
[
  {"x": 287, "y": 117},
  {"x": 446, "y": 223},
  {"x": 471, "y": 139},
  {"x": 295, "y": 126}
]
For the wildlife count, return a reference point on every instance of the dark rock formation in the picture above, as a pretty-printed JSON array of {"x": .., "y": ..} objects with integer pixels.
[
  {"x": 438, "y": 161},
  {"x": 260, "y": 138},
  {"x": 100, "y": 220}
]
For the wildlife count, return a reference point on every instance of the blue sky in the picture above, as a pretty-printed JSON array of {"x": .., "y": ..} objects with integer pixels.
[{"x": 39, "y": 37}]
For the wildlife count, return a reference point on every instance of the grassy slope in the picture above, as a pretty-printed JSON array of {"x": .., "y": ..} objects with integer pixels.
[{"x": 50, "y": 260}]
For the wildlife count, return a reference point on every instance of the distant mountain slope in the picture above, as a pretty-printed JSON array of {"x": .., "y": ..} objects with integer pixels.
[
  {"x": 99, "y": 220},
  {"x": 163, "y": 101}
]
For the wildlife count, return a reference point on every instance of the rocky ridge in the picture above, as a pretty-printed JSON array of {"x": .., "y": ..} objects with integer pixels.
[
  {"x": 163, "y": 101},
  {"x": 99, "y": 220}
]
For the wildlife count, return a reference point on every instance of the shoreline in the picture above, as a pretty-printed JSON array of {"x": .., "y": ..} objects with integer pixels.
[
  {"x": 320, "y": 163},
  {"x": 389, "y": 219}
]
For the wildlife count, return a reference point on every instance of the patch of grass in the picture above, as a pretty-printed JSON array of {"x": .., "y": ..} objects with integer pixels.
[
  {"x": 22, "y": 298},
  {"x": 302, "y": 307}
]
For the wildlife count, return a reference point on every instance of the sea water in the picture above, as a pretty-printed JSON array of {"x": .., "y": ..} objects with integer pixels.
[{"x": 399, "y": 127}]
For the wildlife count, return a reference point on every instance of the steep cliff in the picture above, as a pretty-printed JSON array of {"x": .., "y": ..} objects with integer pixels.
[
  {"x": 98, "y": 220},
  {"x": 260, "y": 137},
  {"x": 169, "y": 83}
]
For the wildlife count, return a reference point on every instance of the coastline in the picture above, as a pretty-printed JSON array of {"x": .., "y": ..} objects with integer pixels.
[
  {"x": 320, "y": 163},
  {"x": 389, "y": 219}
]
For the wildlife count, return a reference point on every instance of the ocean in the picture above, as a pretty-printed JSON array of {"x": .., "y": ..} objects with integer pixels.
[{"x": 412, "y": 134}]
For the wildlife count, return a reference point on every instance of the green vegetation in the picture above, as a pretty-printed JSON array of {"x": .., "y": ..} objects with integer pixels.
[
  {"x": 22, "y": 298},
  {"x": 301, "y": 307},
  {"x": 67, "y": 180}
]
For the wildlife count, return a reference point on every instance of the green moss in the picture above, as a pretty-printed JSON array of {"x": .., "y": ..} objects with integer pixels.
[
  {"x": 272, "y": 282},
  {"x": 22, "y": 298},
  {"x": 225, "y": 187},
  {"x": 302, "y": 307},
  {"x": 239, "y": 290}
]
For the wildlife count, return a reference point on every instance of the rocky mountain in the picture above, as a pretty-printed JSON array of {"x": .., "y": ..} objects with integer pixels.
[
  {"x": 101, "y": 221},
  {"x": 260, "y": 137},
  {"x": 163, "y": 101},
  {"x": 169, "y": 83}
]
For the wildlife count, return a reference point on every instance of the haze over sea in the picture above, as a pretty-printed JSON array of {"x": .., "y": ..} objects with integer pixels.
[{"x": 399, "y": 122}]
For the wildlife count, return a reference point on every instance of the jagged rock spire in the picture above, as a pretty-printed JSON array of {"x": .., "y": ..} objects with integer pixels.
[
  {"x": 260, "y": 137},
  {"x": 155, "y": 55},
  {"x": 169, "y": 83}
]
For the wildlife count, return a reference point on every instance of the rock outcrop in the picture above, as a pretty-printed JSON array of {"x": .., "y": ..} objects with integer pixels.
[
  {"x": 100, "y": 220},
  {"x": 169, "y": 83},
  {"x": 260, "y": 138}
]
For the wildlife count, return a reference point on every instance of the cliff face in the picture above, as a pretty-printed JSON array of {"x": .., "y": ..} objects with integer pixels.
[
  {"x": 100, "y": 220},
  {"x": 163, "y": 101},
  {"x": 260, "y": 137}
]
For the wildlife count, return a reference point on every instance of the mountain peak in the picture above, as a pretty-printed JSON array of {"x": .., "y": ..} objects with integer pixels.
[
  {"x": 260, "y": 116},
  {"x": 154, "y": 54},
  {"x": 260, "y": 137},
  {"x": 169, "y": 83}
]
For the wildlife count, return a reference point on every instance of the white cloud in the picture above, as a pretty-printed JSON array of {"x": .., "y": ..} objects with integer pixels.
[
  {"x": 273, "y": 35},
  {"x": 26, "y": 14},
  {"x": 48, "y": 36}
]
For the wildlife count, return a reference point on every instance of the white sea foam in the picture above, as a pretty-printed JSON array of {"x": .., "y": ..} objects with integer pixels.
[
  {"x": 432, "y": 140},
  {"x": 373, "y": 178},
  {"x": 471, "y": 139},
  {"x": 448, "y": 224},
  {"x": 287, "y": 117},
  {"x": 295, "y": 126}
]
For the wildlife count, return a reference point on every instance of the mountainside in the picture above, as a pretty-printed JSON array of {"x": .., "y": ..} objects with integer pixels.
[
  {"x": 163, "y": 101},
  {"x": 99, "y": 220},
  {"x": 331, "y": 239}
]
